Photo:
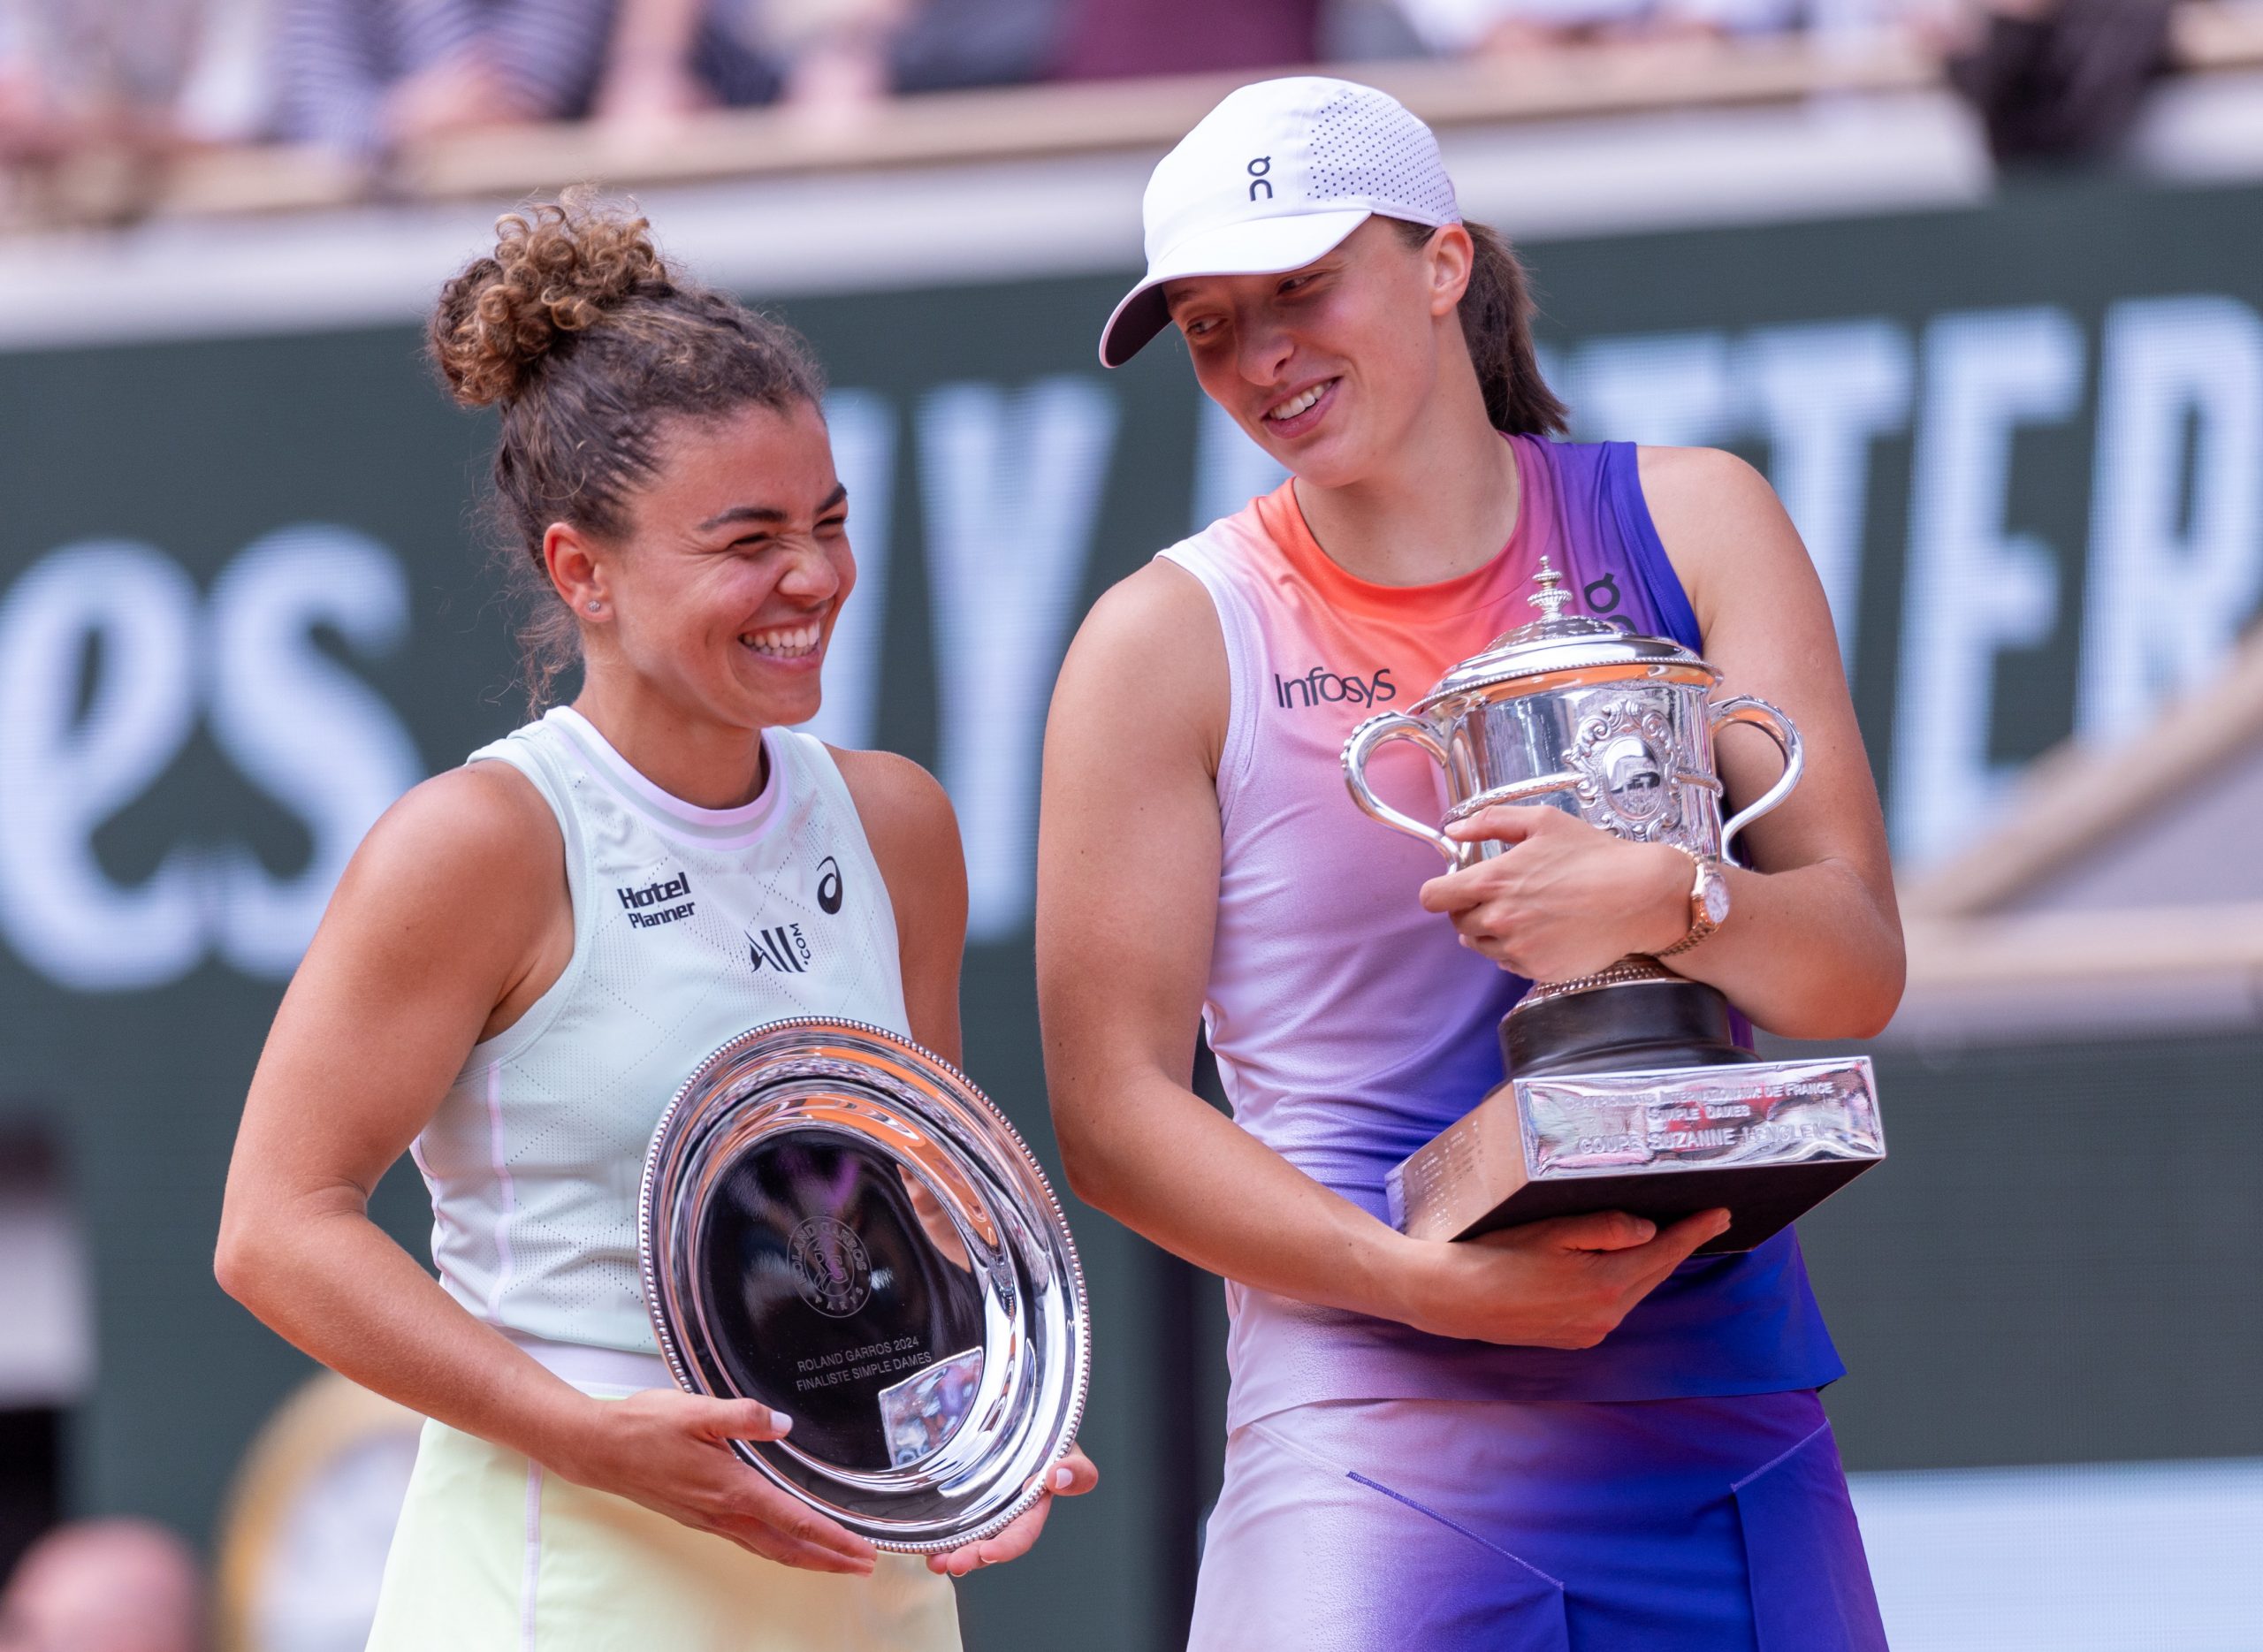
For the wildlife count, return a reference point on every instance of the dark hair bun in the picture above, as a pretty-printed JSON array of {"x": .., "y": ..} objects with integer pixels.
[{"x": 557, "y": 268}]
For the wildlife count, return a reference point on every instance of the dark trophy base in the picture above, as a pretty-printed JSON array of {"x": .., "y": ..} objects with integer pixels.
[
  {"x": 1672, "y": 1022},
  {"x": 1632, "y": 1095}
]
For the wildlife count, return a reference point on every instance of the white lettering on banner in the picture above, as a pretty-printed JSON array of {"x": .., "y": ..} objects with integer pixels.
[
  {"x": 863, "y": 426},
  {"x": 313, "y": 736},
  {"x": 1666, "y": 390},
  {"x": 1823, "y": 394},
  {"x": 1229, "y": 467},
  {"x": 2173, "y": 576},
  {"x": 1011, "y": 484},
  {"x": 1972, "y": 589},
  {"x": 65, "y": 771},
  {"x": 300, "y": 728}
]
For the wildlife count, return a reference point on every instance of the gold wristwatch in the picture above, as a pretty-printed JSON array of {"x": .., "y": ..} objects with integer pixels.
[{"x": 1708, "y": 900}]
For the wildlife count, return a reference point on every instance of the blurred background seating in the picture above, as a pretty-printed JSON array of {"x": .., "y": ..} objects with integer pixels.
[
  {"x": 2059, "y": 80},
  {"x": 103, "y": 103}
]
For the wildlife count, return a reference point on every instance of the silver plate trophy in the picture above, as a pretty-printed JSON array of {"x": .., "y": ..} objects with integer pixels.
[
  {"x": 1627, "y": 1089},
  {"x": 836, "y": 1223}
]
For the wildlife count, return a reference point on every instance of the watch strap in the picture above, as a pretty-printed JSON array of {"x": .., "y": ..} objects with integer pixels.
[{"x": 1702, "y": 923}]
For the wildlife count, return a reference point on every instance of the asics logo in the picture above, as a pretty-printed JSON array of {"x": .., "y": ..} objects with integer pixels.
[
  {"x": 1321, "y": 684},
  {"x": 829, "y": 886}
]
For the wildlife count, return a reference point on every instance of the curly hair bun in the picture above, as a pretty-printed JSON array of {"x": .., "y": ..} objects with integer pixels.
[{"x": 557, "y": 268}]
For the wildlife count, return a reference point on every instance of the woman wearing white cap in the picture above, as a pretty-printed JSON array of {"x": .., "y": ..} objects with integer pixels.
[{"x": 1568, "y": 1435}]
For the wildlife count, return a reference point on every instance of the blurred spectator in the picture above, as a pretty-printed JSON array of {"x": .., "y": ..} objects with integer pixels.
[
  {"x": 947, "y": 44},
  {"x": 835, "y": 53},
  {"x": 828, "y": 56},
  {"x": 671, "y": 57},
  {"x": 1500, "y": 28},
  {"x": 75, "y": 72},
  {"x": 228, "y": 92},
  {"x": 363, "y": 76},
  {"x": 104, "y": 1586},
  {"x": 2060, "y": 80},
  {"x": 1459, "y": 27},
  {"x": 1109, "y": 38}
]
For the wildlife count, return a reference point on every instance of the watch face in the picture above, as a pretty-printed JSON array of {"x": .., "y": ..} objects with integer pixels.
[{"x": 1716, "y": 899}]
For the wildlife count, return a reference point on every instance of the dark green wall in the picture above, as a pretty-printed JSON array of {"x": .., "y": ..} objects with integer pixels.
[{"x": 2048, "y": 1268}]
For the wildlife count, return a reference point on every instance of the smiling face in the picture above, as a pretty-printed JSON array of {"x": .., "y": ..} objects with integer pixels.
[
  {"x": 721, "y": 597},
  {"x": 1331, "y": 368}
]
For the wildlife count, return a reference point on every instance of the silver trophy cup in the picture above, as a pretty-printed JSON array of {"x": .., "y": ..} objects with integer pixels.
[
  {"x": 836, "y": 1223},
  {"x": 1626, "y": 1089}
]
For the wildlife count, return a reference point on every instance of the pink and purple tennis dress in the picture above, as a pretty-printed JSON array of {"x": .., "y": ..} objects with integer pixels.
[{"x": 1675, "y": 1488}]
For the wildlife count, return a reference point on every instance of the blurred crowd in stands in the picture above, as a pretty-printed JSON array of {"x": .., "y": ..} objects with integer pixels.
[{"x": 362, "y": 77}]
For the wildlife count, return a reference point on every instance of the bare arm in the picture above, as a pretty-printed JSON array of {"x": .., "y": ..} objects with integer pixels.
[
  {"x": 1129, "y": 852},
  {"x": 914, "y": 834},
  {"x": 648, "y": 77},
  {"x": 450, "y": 920},
  {"x": 1812, "y": 945}
]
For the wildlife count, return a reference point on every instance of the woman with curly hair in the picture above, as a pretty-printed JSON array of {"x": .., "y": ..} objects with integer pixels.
[{"x": 490, "y": 992}]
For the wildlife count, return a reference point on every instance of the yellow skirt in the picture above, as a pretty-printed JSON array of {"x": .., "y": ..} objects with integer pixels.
[{"x": 494, "y": 1555}]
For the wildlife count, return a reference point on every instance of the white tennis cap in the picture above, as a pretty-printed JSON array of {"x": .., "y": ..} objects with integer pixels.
[{"x": 1273, "y": 178}]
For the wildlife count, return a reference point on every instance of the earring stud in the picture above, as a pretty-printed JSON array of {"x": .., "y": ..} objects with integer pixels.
[{"x": 595, "y": 606}]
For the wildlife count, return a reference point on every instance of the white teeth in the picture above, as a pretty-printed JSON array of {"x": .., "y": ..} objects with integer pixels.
[
  {"x": 788, "y": 641},
  {"x": 1290, "y": 409}
]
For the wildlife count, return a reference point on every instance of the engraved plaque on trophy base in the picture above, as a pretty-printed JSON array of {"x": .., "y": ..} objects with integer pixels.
[{"x": 1765, "y": 1140}]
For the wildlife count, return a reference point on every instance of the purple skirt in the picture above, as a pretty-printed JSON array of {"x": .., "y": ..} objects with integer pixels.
[{"x": 1667, "y": 1526}]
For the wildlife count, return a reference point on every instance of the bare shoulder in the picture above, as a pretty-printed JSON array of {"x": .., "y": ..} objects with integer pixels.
[
  {"x": 482, "y": 826},
  {"x": 466, "y": 869},
  {"x": 1722, "y": 526},
  {"x": 894, "y": 795},
  {"x": 1149, "y": 664},
  {"x": 913, "y": 831},
  {"x": 1702, "y": 486},
  {"x": 1161, "y": 606},
  {"x": 1159, "y": 592}
]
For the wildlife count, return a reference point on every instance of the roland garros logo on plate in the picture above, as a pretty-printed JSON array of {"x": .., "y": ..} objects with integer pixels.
[{"x": 831, "y": 1268}]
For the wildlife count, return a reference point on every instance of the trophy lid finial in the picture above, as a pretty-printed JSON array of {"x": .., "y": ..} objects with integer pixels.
[{"x": 1552, "y": 595}]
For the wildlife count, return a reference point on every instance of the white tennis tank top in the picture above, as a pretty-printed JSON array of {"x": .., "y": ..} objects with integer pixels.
[{"x": 691, "y": 925}]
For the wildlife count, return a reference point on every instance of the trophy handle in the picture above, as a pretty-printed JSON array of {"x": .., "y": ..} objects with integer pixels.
[
  {"x": 1777, "y": 728},
  {"x": 1378, "y": 731}
]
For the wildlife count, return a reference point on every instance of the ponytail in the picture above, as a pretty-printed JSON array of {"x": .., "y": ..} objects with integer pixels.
[{"x": 1497, "y": 312}]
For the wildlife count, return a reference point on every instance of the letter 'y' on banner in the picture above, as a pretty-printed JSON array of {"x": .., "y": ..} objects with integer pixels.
[
  {"x": 863, "y": 426},
  {"x": 1011, "y": 481}
]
